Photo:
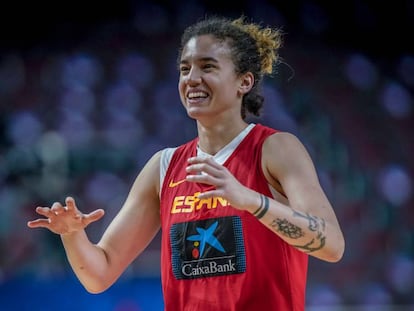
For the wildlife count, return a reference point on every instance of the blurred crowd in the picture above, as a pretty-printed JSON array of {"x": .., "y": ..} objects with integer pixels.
[{"x": 81, "y": 119}]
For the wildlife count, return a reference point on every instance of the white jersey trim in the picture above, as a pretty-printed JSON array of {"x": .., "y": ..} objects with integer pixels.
[{"x": 220, "y": 157}]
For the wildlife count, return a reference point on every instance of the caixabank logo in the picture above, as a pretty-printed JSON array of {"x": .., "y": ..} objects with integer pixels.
[{"x": 206, "y": 248}]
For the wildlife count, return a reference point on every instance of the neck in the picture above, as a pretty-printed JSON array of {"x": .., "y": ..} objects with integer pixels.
[{"x": 213, "y": 138}]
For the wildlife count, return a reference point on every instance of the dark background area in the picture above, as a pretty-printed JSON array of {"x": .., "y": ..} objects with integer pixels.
[{"x": 378, "y": 27}]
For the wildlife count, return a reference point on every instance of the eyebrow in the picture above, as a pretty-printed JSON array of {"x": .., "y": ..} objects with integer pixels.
[{"x": 202, "y": 59}]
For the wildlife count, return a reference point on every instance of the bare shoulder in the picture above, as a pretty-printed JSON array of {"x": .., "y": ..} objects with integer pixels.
[
  {"x": 154, "y": 161},
  {"x": 283, "y": 144},
  {"x": 148, "y": 179},
  {"x": 284, "y": 154},
  {"x": 152, "y": 167}
]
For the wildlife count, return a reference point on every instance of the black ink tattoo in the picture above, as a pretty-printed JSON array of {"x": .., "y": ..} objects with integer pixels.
[
  {"x": 309, "y": 247},
  {"x": 287, "y": 229},
  {"x": 317, "y": 225},
  {"x": 264, "y": 206}
]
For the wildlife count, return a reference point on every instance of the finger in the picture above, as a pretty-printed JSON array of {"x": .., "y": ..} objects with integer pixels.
[
  {"x": 57, "y": 208},
  {"x": 70, "y": 204},
  {"x": 204, "y": 179},
  {"x": 205, "y": 168},
  {"x": 38, "y": 223},
  {"x": 95, "y": 215},
  {"x": 209, "y": 159},
  {"x": 44, "y": 211},
  {"x": 209, "y": 194},
  {"x": 213, "y": 163},
  {"x": 193, "y": 160}
]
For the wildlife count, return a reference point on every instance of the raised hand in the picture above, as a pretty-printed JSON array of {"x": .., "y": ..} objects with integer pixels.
[
  {"x": 64, "y": 219},
  {"x": 207, "y": 171}
]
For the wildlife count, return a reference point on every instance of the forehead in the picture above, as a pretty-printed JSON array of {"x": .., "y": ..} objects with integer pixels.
[{"x": 205, "y": 46}]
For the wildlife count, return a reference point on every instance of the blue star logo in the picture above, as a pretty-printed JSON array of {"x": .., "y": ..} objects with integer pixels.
[{"x": 205, "y": 236}]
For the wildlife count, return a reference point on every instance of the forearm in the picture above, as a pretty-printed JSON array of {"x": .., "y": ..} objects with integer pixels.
[
  {"x": 88, "y": 261},
  {"x": 314, "y": 235}
]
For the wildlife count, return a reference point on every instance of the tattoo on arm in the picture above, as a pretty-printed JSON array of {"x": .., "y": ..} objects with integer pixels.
[
  {"x": 315, "y": 224},
  {"x": 287, "y": 229},
  {"x": 264, "y": 206}
]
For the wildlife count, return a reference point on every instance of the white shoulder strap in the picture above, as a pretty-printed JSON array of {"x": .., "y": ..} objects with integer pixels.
[{"x": 166, "y": 155}]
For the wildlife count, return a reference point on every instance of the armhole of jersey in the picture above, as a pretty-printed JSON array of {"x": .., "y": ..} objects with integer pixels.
[
  {"x": 277, "y": 195},
  {"x": 166, "y": 156}
]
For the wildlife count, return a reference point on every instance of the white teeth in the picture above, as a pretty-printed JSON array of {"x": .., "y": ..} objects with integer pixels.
[{"x": 197, "y": 94}]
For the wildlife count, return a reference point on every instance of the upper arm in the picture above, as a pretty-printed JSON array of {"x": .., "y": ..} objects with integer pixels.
[
  {"x": 137, "y": 222},
  {"x": 286, "y": 162}
]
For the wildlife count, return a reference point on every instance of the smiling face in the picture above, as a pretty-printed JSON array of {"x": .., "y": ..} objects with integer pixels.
[{"x": 208, "y": 84}]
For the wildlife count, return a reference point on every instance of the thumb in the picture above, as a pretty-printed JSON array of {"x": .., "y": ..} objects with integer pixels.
[{"x": 95, "y": 215}]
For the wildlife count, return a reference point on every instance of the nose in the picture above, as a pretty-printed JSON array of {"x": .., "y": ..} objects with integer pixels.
[{"x": 193, "y": 77}]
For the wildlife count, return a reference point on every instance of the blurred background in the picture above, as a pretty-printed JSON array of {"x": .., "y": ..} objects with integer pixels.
[{"x": 88, "y": 92}]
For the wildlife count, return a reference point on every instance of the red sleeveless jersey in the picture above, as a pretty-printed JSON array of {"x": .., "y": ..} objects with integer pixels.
[{"x": 215, "y": 257}]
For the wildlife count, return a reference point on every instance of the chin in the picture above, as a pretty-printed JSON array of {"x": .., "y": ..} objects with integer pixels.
[{"x": 195, "y": 113}]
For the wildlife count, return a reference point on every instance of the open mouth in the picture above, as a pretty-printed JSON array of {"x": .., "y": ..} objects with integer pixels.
[{"x": 196, "y": 97}]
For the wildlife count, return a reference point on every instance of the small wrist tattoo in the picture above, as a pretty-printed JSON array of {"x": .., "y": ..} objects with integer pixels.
[
  {"x": 264, "y": 206},
  {"x": 260, "y": 206}
]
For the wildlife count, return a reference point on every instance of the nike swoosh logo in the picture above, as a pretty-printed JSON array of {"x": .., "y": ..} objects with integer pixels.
[{"x": 175, "y": 184}]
